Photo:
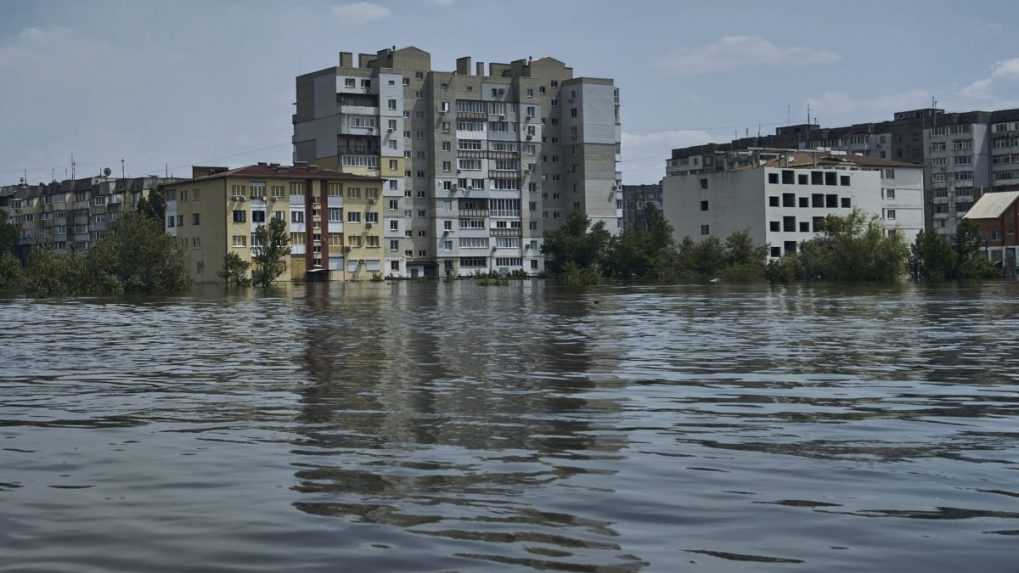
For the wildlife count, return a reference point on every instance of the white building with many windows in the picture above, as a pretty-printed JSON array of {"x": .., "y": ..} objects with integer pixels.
[{"x": 781, "y": 197}]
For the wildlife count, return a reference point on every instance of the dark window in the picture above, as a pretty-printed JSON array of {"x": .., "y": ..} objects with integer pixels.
[
  {"x": 804, "y": 202},
  {"x": 776, "y": 251},
  {"x": 830, "y": 178},
  {"x": 258, "y": 216},
  {"x": 788, "y": 200},
  {"x": 816, "y": 178},
  {"x": 804, "y": 227},
  {"x": 705, "y": 229},
  {"x": 788, "y": 177},
  {"x": 773, "y": 178},
  {"x": 240, "y": 216},
  {"x": 790, "y": 247},
  {"x": 775, "y": 226},
  {"x": 846, "y": 204},
  {"x": 802, "y": 178},
  {"x": 818, "y": 224},
  {"x": 194, "y": 218},
  {"x": 844, "y": 180},
  {"x": 817, "y": 200},
  {"x": 704, "y": 205},
  {"x": 789, "y": 224},
  {"x": 704, "y": 183},
  {"x": 773, "y": 201},
  {"x": 831, "y": 201}
]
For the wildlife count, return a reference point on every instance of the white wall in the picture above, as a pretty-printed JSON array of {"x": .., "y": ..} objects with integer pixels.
[{"x": 736, "y": 202}]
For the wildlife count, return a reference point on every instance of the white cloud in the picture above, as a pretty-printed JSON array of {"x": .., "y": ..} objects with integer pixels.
[
  {"x": 360, "y": 12},
  {"x": 832, "y": 106},
  {"x": 644, "y": 154},
  {"x": 731, "y": 52},
  {"x": 1000, "y": 71}
]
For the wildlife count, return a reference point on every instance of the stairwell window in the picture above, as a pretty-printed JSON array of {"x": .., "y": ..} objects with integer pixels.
[{"x": 705, "y": 229}]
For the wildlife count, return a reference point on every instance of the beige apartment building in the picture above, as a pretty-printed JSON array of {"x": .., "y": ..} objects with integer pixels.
[{"x": 333, "y": 218}]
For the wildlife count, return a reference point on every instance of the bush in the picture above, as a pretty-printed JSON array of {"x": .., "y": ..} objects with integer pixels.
[
  {"x": 49, "y": 273},
  {"x": 936, "y": 258},
  {"x": 235, "y": 270},
  {"x": 11, "y": 275}
]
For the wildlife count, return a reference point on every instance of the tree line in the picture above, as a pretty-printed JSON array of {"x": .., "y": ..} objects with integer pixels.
[{"x": 853, "y": 248}]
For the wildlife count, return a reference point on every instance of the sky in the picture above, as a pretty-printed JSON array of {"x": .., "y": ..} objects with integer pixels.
[{"x": 164, "y": 85}]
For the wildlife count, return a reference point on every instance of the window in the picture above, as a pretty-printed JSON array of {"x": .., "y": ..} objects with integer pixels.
[
  {"x": 371, "y": 217},
  {"x": 353, "y": 216},
  {"x": 447, "y": 225},
  {"x": 704, "y": 205},
  {"x": 790, "y": 247},
  {"x": 789, "y": 224},
  {"x": 705, "y": 229},
  {"x": 195, "y": 218},
  {"x": 775, "y": 226},
  {"x": 170, "y": 220},
  {"x": 773, "y": 201},
  {"x": 278, "y": 215},
  {"x": 846, "y": 203},
  {"x": 788, "y": 200},
  {"x": 350, "y": 82},
  {"x": 335, "y": 215},
  {"x": 258, "y": 216},
  {"x": 831, "y": 201},
  {"x": 788, "y": 177},
  {"x": 447, "y": 166},
  {"x": 817, "y": 178},
  {"x": 240, "y": 216},
  {"x": 801, "y": 178},
  {"x": 240, "y": 241},
  {"x": 180, "y": 220},
  {"x": 844, "y": 180},
  {"x": 704, "y": 182},
  {"x": 392, "y": 104},
  {"x": 804, "y": 202},
  {"x": 804, "y": 227},
  {"x": 776, "y": 252},
  {"x": 890, "y": 214},
  {"x": 889, "y": 193},
  {"x": 297, "y": 216},
  {"x": 818, "y": 224},
  {"x": 830, "y": 178},
  {"x": 817, "y": 200},
  {"x": 773, "y": 178},
  {"x": 372, "y": 242}
]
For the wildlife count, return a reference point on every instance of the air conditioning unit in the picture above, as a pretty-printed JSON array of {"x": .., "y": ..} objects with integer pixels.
[{"x": 237, "y": 198}]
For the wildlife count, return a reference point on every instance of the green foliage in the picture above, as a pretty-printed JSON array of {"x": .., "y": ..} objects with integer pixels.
[
  {"x": 579, "y": 277},
  {"x": 640, "y": 254},
  {"x": 784, "y": 270},
  {"x": 50, "y": 273},
  {"x": 938, "y": 258},
  {"x": 853, "y": 249},
  {"x": 235, "y": 270},
  {"x": 11, "y": 274},
  {"x": 575, "y": 243},
  {"x": 136, "y": 257},
  {"x": 271, "y": 248},
  {"x": 153, "y": 207},
  {"x": 8, "y": 234}
]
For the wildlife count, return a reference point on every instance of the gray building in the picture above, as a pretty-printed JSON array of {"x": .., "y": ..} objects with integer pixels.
[
  {"x": 964, "y": 154},
  {"x": 636, "y": 199},
  {"x": 478, "y": 163}
]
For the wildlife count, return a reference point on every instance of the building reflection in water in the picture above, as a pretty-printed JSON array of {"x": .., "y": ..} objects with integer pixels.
[{"x": 460, "y": 413}]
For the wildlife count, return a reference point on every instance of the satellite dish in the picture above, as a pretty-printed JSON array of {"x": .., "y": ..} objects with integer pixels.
[{"x": 106, "y": 171}]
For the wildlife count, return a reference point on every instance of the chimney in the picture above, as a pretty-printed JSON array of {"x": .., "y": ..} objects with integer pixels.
[
  {"x": 480, "y": 67},
  {"x": 463, "y": 66},
  {"x": 346, "y": 60}
]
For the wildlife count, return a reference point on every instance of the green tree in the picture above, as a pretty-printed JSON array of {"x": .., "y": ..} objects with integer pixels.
[
  {"x": 50, "y": 273},
  {"x": 153, "y": 206},
  {"x": 938, "y": 258},
  {"x": 853, "y": 248},
  {"x": 574, "y": 242},
  {"x": 235, "y": 270},
  {"x": 642, "y": 253},
  {"x": 271, "y": 248},
  {"x": 10, "y": 272},
  {"x": 136, "y": 256},
  {"x": 8, "y": 234}
]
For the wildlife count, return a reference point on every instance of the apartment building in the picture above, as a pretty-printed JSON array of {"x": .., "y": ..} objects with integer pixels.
[
  {"x": 334, "y": 219},
  {"x": 72, "y": 215},
  {"x": 965, "y": 154},
  {"x": 781, "y": 197},
  {"x": 636, "y": 199},
  {"x": 476, "y": 163}
]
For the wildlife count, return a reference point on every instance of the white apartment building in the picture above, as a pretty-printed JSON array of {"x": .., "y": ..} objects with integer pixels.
[
  {"x": 781, "y": 197},
  {"x": 477, "y": 163}
]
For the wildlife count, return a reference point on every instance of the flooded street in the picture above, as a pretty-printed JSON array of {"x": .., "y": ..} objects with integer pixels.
[{"x": 452, "y": 427}]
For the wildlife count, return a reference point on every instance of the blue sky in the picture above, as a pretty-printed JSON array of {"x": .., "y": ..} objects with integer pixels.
[{"x": 176, "y": 83}]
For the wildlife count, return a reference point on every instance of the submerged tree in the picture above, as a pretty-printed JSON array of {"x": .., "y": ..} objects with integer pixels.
[
  {"x": 939, "y": 258},
  {"x": 235, "y": 270},
  {"x": 136, "y": 256},
  {"x": 853, "y": 248},
  {"x": 271, "y": 247},
  {"x": 8, "y": 234},
  {"x": 577, "y": 242}
]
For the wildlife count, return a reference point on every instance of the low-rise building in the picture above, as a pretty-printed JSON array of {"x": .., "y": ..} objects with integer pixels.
[
  {"x": 333, "y": 219},
  {"x": 781, "y": 197},
  {"x": 996, "y": 216}
]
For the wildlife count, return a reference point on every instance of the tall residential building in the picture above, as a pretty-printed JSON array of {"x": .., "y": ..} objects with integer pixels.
[
  {"x": 333, "y": 219},
  {"x": 636, "y": 200},
  {"x": 964, "y": 154},
  {"x": 781, "y": 197},
  {"x": 476, "y": 164}
]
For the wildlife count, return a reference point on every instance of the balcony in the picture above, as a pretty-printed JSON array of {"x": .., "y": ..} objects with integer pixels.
[
  {"x": 472, "y": 213},
  {"x": 505, "y": 232}
]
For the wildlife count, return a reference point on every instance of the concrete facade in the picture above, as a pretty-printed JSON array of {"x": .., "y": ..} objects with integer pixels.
[{"x": 477, "y": 163}]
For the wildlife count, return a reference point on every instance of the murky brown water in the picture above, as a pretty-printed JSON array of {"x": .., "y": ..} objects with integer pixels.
[{"x": 450, "y": 427}]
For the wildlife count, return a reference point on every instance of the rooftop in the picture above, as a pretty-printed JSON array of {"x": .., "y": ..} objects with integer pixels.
[
  {"x": 992, "y": 205},
  {"x": 277, "y": 171}
]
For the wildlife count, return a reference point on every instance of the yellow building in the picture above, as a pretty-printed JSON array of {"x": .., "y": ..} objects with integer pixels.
[{"x": 334, "y": 219}]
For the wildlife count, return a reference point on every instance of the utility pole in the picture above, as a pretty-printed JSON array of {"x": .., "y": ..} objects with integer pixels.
[
  {"x": 123, "y": 173},
  {"x": 73, "y": 165}
]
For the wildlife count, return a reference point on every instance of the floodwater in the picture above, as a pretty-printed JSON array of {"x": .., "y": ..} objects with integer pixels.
[{"x": 452, "y": 427}]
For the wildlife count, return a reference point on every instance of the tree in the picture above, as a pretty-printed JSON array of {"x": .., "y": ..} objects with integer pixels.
[
  {"x": 136, "y": 256},
  {"x": 271, "y": 247},
  {"x": 642, "y": 253},
  {"x": 575, "y": 243},
  {"x": 10, "y": 272},
  {"x": 235, "y": 270},
  {"x": 50, "y": 273},
  {"x": 937, "y": 258},
  {"x": 8, "y": 234},
  {"x": 853, "y": 248},
  {"x": 153, "y": 207}
]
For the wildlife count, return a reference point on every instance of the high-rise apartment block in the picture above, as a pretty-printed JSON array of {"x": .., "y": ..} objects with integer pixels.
[
  {"x": 964, "y": 155},
  {"x": 476, "y": 164}
]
